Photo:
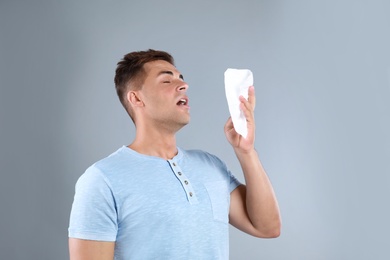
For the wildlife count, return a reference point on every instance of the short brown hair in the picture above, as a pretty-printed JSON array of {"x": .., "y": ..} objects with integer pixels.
[{"x": 130, "y": 73}]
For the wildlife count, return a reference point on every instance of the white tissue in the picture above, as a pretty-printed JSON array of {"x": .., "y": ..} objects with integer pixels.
[{"x": 237, "y": 82}]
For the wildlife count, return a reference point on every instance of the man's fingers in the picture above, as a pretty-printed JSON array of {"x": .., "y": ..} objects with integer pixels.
[
  {"x": 247, "y": 110},
  {"x": 251, "y": 102},
  {"x": 252, "y": 96},
  {"x": 229, "y": 124}
]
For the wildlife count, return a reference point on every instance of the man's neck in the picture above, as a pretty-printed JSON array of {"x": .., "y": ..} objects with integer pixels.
[{"x": 154, "y": 143}]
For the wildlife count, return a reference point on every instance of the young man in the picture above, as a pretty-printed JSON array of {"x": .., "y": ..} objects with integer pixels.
[{"x": 153, "y": 200}]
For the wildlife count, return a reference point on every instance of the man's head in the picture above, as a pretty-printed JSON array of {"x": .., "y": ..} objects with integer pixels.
[{"x": 130, "y": 73}]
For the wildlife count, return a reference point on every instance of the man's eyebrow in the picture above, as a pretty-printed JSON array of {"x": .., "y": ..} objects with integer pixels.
[{"x": 170, "y": 73}]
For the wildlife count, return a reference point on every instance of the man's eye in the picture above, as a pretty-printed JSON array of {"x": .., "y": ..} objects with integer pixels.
[{"x": 166, "y": 81}]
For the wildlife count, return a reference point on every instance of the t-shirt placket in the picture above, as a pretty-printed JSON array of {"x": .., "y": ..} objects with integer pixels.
[{"x": 184, "y": 181}]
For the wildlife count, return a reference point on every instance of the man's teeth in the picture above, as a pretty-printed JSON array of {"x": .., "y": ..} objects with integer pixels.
[{"x": 182, "y": 102}]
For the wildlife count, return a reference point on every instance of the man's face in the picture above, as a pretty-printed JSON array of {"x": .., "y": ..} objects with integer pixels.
[{"x": 164, "y": 96}]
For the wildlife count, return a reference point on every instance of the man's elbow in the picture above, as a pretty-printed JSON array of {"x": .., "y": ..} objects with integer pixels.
[
  {"x": 270, "y": 232},
  {"x": 274, "y": 233}
]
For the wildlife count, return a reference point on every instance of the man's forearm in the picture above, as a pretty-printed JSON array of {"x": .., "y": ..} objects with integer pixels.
[{"x": 261, "y": 203}]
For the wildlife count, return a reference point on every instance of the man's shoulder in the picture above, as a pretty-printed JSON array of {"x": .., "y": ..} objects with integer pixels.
[
  {"x": 117, "y": 155},
  {"x": 111, "y": 162},
  {"x": 197, "y": 154}
]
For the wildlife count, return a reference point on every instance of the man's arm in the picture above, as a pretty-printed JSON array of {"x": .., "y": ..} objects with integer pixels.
[
  {"x": 80, "y": 249},
  {"x": 253, "y": 208}
]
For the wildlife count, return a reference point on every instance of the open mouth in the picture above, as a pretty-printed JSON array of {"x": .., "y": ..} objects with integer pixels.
[{"x": 182, "y": 102}]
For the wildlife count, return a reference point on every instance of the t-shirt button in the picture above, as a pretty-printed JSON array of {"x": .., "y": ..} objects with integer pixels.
[
  {"x": 190, "y": 194},
  {"x": 186, "y": 182},
  {"x": 174, "y": 164},
  {"x": 179, "y": 173}
]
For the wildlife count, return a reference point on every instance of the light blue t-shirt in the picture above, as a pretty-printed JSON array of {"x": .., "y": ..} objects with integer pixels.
[{"x": 154, "y": 208}]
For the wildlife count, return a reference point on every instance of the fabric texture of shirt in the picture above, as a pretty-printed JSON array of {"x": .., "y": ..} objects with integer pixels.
[{"x": 154, "y": 208}]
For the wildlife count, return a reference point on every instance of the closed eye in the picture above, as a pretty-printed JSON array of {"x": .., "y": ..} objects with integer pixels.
[{"x": 169, "y": 73}]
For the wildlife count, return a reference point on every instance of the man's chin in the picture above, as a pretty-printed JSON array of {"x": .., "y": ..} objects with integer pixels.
[{"x": 183, "y": 123}]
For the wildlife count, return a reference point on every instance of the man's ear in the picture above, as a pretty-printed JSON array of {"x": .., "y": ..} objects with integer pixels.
[{"x": 134, "y": 99}]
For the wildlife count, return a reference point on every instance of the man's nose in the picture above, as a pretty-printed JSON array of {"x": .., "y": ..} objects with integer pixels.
[{"x": 183, "y": 86}]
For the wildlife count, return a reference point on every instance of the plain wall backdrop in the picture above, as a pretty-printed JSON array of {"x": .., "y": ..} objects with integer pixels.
[{"x": 322, "y": 78}]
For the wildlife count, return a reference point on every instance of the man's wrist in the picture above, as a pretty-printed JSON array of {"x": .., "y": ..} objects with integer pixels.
[{"x": 245, "y": 152}]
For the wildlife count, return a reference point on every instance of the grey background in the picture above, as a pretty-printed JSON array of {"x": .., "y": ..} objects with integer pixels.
[{"x": 322, "y": 78}]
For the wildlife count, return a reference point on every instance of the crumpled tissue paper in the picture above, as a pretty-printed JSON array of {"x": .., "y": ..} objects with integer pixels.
[{"x": 237, "y": 83}]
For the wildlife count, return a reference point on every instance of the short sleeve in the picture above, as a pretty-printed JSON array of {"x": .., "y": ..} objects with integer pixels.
[
  {"x": 94, "y": 212},
  {"x": 234, "y": 183}
]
